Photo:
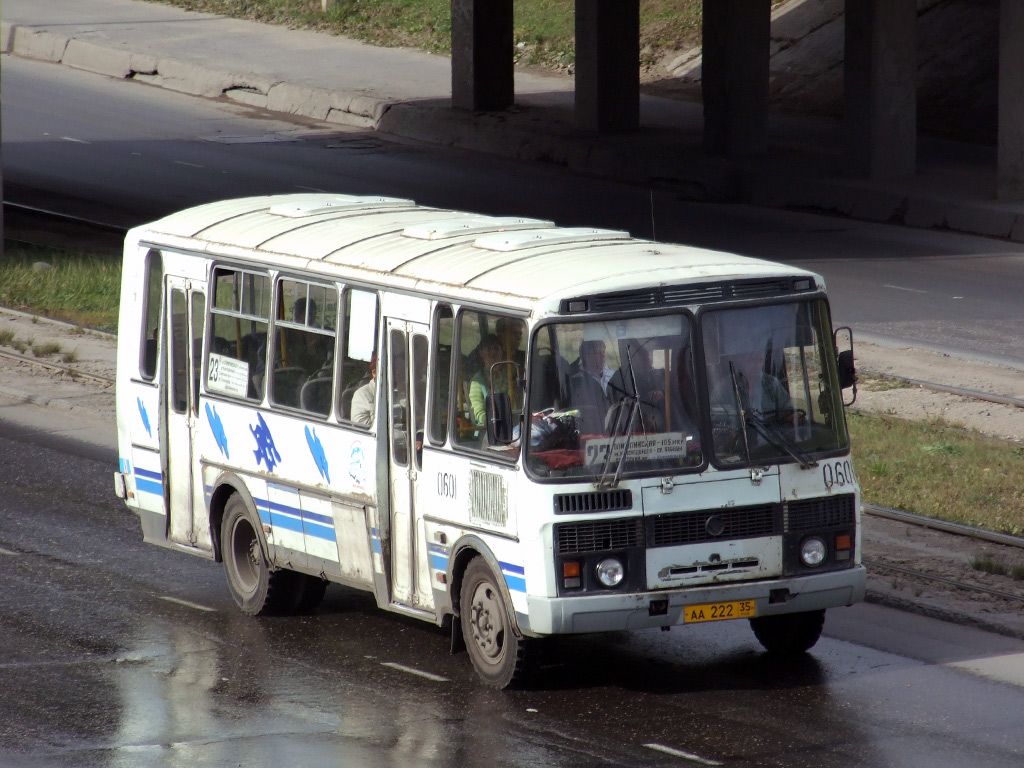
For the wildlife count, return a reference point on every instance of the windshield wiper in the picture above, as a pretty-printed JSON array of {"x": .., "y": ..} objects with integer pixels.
[
  {"x": 634, "y": 406},
  {"x": 740, "y": 409},
  {"x": 778, "y": 440}
]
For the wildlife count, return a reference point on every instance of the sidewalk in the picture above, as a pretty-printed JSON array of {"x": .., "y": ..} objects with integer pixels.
[{"x": 406, "y": 94}]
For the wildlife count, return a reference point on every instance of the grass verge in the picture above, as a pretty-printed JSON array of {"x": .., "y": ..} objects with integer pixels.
[
  {"x": 80, "y": 288},
  {"x": 936, "y": 470},
  {"x": 543, "y": 30}
]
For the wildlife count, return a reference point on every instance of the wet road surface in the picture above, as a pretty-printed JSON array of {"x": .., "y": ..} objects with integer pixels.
[{"x": 115, "y": 653}]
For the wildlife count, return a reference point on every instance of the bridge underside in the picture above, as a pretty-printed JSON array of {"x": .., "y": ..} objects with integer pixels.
[{"x": 879, "y": 77}]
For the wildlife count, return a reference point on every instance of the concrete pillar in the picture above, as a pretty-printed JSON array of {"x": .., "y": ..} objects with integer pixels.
[
  {"x": 880, "y": 88},
  {"x": 734, "y": 76},
  {"x": 1010, "y": 152},
  {"x": 482, "y": 67},
  {"x": 608, "y": 65}
]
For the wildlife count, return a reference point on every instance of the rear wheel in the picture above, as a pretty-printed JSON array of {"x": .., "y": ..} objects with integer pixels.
[
  {"x": 790, "y": 633},
  {"x": 498, "y": 655},
  {"x": 254, "y": 587}
]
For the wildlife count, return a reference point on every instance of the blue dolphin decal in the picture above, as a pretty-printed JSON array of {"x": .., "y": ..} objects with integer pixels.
[
  {"x": 145, "y": 416},
  {"x": 217, "y": 426},
  {"x": 317, "y": 449},
  {"x": 265, "y": 448}
]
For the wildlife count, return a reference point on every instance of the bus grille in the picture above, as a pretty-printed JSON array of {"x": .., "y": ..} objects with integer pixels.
[
  {"x": 599, "y": 501},
  {"x": 598, "y": 535},
  {"x": 696, "y": 527},
  {"x": 820, "y": 513},
  {"x": 488, "y": 500}
]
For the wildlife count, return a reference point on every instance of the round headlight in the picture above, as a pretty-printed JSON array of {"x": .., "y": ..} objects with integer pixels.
[
  {"x": 610, "y": 572},
  {"x": 813, "y": 551}
]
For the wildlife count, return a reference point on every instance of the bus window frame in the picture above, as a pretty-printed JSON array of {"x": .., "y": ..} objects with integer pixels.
[{"x": 153, "y": 255}]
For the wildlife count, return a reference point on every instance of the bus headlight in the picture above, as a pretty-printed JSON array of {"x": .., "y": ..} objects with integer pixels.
[
  {"x": 813, "y": 551},
  {"x": 610, "y": 572}
]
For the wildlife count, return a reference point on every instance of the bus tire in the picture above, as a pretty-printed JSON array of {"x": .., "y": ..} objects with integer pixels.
[
  {"x": 254, "y": 587},
  {"x": 498, "y": 654},
  {"x": 790, "y": 633}
]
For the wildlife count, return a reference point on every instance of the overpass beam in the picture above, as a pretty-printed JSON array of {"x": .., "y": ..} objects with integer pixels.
[
  {"x": 482, "y": 64},
  {"x": 880, "y": 88},
  {"x": 734, "y": 75},
  {"x": 608, "y": 65},
  {"x": 1010, "y": 151}
]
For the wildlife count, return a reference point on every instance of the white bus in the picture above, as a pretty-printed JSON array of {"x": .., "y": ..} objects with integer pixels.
[{"x": 497, "y": 424}]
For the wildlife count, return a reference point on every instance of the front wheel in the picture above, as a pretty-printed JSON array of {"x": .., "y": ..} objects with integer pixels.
[
  {"x": 790, "y": 633},
  {"x": 498, "y": 654},
  {"x": 254, "y": 587}
]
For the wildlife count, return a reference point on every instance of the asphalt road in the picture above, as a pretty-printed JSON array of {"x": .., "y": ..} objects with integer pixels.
[{"x": 125, "y": 152}]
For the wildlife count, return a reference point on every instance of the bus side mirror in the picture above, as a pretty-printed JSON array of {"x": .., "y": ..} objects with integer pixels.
[
  {"x": 499, "y": 418},
  {"x": 846, "y": 367}
]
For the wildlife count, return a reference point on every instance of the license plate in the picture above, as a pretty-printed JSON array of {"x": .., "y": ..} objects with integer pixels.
[{"x": 736, "y": 609}]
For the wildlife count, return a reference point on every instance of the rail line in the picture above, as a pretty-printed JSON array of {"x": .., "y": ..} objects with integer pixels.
[{"x": 69, "y": 370}]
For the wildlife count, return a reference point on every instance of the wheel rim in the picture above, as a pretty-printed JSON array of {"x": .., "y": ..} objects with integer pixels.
[
  {"x": 248, "y": 559},
  {"x": 487, "y": 623}
]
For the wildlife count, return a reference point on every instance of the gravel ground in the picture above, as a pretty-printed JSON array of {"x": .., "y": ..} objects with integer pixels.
[{"x": 886, "y": 544}]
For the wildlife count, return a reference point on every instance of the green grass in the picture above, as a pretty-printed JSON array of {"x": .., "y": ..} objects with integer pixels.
[
  {"x": 543, "y": 34},
  {"x": 81, "y": 288},
  {"x": 936, "y": 470}
]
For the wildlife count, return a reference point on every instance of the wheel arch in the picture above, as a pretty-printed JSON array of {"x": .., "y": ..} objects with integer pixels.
[
  {"x": 464, "y": 551},
  {"x": 226, "y": 486}
]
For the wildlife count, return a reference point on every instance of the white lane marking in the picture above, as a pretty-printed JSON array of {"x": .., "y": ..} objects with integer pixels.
[
  {"x": 901, "y": 288},
  {"x": 8, "y": 552},
  {"x": 183, "y": 162},
  {"x": 187, "y": 604},
  {"x": 414, "y": 671},
  {"x": 684, "y": 755},
  {"x": 74, "y": 140},
  {"x": 1008, "y": 668}
]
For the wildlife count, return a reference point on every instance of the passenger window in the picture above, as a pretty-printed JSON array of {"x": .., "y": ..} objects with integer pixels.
[
  {"x": 444, "y": 335},
  {"x": 151, "y": 314},
  {"x": 358, "y": 358},
  {"x": 239, "y": 319},
  {"x": 491, "y": 359},
  {"x": 304, "y": 331}
]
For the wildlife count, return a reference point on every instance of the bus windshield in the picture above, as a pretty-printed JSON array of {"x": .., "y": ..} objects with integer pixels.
[
  {"x": 620, "y": 397},
  {"x": 772, "y": 383},
  {"x": 613, "y": 396}
]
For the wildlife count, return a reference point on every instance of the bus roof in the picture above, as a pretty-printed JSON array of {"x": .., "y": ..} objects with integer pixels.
[{"x": 509, "y": 261}]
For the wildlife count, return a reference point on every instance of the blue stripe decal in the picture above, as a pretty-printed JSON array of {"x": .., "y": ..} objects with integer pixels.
[
  {"x": 318, "y": 531},
  {"x": 286, "y": 522},
  {"x": 149, "y": 474},
  {"x": 509, "y": 568},
  {"x": 515, "y": 583},
  {"x": 124, "y": 466},
  {"x": 438, "y": 562},
  {"x": 148, "y": 486}
]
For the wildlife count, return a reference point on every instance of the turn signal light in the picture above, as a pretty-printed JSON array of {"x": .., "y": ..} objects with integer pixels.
[
  {"x": 571, "y": 575},
  {"x": 843, "y": 541}
]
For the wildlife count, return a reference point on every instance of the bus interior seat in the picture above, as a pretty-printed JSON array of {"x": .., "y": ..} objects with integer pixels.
[
  {"x": 315, "y": 395},
  {"x": 348, "y": 393},
  {"x": 287, "y": 383}
]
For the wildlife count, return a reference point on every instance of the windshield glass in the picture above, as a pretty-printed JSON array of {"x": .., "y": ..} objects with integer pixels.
[
  {"x": 613, "y": 397},
  {"x": 773, "y": 390}
]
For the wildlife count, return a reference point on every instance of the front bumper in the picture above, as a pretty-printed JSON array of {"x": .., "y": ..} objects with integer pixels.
[{"x": 664, "y": 608}]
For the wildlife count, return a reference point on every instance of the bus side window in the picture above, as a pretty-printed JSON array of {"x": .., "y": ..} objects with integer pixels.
[
  {"x": 358, "y": 342},
  {"x": 304, "y": 332},
  {"x": 239, "y": 319},
  {"x": 444, "y": 333},
  {"x": 151, "y": 314}
]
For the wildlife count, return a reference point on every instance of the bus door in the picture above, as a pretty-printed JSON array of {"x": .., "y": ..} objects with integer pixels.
[
  {"x": 407, "y": 347},
  {"x": 186, "y": 315}
]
